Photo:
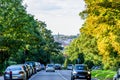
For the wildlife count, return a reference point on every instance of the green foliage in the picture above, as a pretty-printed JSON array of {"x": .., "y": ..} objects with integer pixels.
[
  {"x": 22, "y": 37},
  {"x": 57, "y": 58},
  {"x": 102, "y": 22},
  {"x": 99, "y": 39},
  {"x": 103, "y": 74},
  {"x": 67, "y": 61},
  {"x": 83, "y": 48},
  {"x": 80, "y": 59},
  {"x": 89, "y": 63}
]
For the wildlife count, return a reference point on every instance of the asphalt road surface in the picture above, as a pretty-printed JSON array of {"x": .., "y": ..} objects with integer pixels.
[{"x": 57, "y": 75}]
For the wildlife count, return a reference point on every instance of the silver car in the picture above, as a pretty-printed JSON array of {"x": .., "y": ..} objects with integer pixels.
[
  {"x": 15, "y": 72},
  {"x": 50, "y": 67},
  {"x": 38, "y": 66},
  {"x": 70, "y": 66}
]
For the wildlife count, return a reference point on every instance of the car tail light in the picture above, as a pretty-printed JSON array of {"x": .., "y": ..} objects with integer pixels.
[
  {"x": 21, "y": 72},
  {"x": 6, "y": 72},
  {"x": 10, "y": 72}
]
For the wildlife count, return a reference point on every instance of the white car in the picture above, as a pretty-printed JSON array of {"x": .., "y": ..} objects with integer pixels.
[
  {"x": 38, "y": 66},
  {"x": 15, "y": 72},
  {"x": 50, "y": 67},
  {"x": 70, "y": 67}
]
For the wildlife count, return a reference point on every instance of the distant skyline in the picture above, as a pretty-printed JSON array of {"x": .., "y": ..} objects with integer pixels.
[{"x": 61, "y": 16}]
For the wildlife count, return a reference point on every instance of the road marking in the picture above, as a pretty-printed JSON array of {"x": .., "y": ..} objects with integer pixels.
[{"x": 61, "y": 75}]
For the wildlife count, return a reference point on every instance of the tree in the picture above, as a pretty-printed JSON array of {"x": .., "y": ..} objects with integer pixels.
[
  {"x": 102, "y": 23},
  {"x": 22, "y": 37}
]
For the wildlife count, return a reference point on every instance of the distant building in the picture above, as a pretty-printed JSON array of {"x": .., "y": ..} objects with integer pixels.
[{"x": 63, "y": 39}]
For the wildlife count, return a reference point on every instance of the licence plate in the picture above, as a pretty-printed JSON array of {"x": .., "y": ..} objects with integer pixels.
[
  {"x": 14, "y": 77},
  {"x": 82, "y": 76}
]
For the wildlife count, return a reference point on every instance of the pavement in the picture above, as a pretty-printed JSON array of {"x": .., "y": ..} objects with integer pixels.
[{"x": 1, "y": 78}]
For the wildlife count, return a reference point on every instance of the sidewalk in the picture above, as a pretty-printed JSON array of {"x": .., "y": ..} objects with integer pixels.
[{"x": 1, "y": 78}]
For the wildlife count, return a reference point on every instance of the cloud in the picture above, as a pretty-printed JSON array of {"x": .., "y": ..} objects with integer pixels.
[
  {"x": 55, "y": 6},
  {"x": 60, "y": 15}
]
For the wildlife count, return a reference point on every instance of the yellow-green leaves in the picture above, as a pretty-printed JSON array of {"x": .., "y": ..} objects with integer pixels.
[{"x": 103, "y": 23}]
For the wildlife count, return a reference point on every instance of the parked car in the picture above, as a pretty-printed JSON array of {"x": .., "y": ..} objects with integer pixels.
[
  {"x": 27, "y": 70},
  {"x": 80, "y": 71},
  {"x": 70, "y": 67},
  {"x": 31, "y": 67},
  {"x": 50, "y": 67},
  {"x": 30, "y": 70},
  {"x": 58, "y": 67},
  {"x": 42, "y": 67},
  {"x": 38, "y": 66},
  {"x": 33, "y": 64},
  {"x": 96, "y": 68},
  {"x": 15, "y": 72},
  {"x": 63, "y": 66}
]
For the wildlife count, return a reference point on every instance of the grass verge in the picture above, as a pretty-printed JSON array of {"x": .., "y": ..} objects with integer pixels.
[{"x": 103, "y": 74}]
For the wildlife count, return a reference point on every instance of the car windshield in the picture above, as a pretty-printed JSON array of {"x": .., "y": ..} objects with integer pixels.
[{"x": 81, "y": 67}]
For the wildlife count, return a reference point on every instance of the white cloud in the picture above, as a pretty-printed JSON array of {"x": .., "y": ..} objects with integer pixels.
[{"x": 59, "y": 15}]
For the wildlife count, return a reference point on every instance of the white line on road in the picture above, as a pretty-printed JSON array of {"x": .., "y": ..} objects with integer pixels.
[{"x": 61, "y": 75}]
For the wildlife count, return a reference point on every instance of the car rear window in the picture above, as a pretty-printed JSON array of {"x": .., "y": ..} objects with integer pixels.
[
  {"x": 50, "y": 65},
  {"x": 70, "y": 65},
  {"x": 14, "y": 68}
]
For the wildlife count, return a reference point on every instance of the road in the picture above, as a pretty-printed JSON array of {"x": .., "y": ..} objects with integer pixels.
[{"x": 57, "y": 75}]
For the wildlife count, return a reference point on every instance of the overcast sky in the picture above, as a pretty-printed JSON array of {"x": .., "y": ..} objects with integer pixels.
[{"x": 61, "y": 16}]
